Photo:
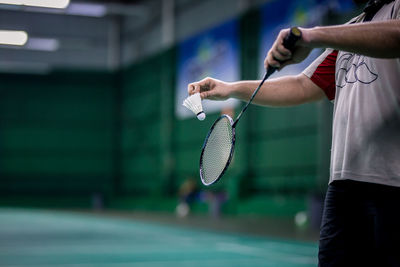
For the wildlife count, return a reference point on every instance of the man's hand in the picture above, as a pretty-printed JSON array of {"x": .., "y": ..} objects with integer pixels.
[
  {"x": 210, "y": 88},
  {"x": 279, "y": 57}
]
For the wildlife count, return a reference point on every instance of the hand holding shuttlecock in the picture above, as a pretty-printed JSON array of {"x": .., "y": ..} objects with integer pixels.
[{"x": 193, "y": 103}]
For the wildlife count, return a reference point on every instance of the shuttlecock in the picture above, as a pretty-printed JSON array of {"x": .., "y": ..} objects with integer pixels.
[{"x": 193, "y": 103}]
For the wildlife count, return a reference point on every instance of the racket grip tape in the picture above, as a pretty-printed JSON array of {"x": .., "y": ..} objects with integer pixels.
[{"x": 290, "y": 40}]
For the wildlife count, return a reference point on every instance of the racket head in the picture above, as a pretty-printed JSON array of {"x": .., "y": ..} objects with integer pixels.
[{"x": 217, "y": 150}]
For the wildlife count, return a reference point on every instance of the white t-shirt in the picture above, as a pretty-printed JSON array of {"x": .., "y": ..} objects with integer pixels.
[{"x": 366, "y": 118}]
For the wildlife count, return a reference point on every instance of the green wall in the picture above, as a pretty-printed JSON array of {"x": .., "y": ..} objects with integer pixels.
[
  {"x": 141, "y": 128},
  {"x": 56, "y": 133}
]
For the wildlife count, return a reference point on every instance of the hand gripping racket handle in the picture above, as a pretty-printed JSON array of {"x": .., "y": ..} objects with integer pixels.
[{"x": 289, "y": 43}]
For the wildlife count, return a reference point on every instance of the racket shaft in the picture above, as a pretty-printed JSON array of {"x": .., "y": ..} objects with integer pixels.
[{"x": 289, "y": 42}]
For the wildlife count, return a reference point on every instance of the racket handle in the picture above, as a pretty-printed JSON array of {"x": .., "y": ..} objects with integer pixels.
[{"x": 290, "y": 40}]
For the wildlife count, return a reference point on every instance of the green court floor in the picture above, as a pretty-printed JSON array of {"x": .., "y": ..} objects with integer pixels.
[{"x": 52, "y": 238}]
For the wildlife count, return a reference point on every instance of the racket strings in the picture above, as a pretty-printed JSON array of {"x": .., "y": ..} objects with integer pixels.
[{"x": 217, "y": 151}]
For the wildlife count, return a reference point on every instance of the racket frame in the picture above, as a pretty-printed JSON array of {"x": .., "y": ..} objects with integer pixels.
[{"x": 230, "y": 154}]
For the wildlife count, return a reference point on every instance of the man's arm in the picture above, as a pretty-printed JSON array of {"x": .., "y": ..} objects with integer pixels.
[
  {"x": 285, "y": 91},
  {"x": 373, "y": 39}
]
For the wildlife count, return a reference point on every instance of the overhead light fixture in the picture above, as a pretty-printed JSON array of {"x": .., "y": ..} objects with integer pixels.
[
  {"x": 42, "y": 44},
  {"x": 86, "y": 9},
  {"x": 37, "y": 3},
  {"x": 13, "y": 37},
  {"x": 33, "y": 43}
]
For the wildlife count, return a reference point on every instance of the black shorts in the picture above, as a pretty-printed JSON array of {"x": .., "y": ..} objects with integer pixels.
[{"x": 360, "y": 225}]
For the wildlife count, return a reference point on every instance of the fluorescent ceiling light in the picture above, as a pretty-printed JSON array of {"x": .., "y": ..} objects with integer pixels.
[
  {"x": 13, "y": 37},
  {"x": 42, "y": 44},
  {"x": 87, "y": 9},
  {"x": 38, "y": 3}
]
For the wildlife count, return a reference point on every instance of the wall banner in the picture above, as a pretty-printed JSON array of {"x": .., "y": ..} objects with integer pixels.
[{"x": 213, "y": 53}]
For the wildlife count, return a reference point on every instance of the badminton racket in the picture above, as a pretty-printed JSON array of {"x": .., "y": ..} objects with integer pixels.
[{"x": 218, "y": 147}]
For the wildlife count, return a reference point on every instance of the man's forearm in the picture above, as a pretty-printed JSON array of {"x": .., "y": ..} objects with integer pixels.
[
  {"x": 374, "y": 39},
  {"x": 285, "y": 91}
]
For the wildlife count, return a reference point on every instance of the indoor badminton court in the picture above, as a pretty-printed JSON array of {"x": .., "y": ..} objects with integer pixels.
[{"x": 102, "y": 134}]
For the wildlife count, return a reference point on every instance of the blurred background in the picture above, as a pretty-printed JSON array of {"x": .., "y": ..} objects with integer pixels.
[{"x": 93, "y": 136}]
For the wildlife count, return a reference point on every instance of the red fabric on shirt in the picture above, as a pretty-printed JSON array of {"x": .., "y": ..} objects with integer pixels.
[{"x": 324, "y": 75}]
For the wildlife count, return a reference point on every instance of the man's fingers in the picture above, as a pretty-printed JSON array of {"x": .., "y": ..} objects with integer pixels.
[
  {"x": 278, "y": 56},
  {"x": 205, "y": 87},
  {"x": 284, "y": 52},
  {"x": 193, "y": 88},
  {"x": 200, "y": 86},
  {"x": 271, "y": 61},
  {"x": 205, "y": 95},
  {"x": 190, "y": 88}
]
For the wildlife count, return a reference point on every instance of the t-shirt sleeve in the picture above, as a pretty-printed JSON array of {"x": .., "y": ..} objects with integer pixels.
[{"x": 322, "y": 72}]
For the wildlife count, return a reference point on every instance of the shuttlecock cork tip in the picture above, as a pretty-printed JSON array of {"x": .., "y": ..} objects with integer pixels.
[{"x": 201, "y": 116}]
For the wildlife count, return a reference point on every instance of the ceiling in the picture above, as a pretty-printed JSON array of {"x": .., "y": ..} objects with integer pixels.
[
  {"x": 105, "y": 35},
  {"x": 85, "y": 35}
]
